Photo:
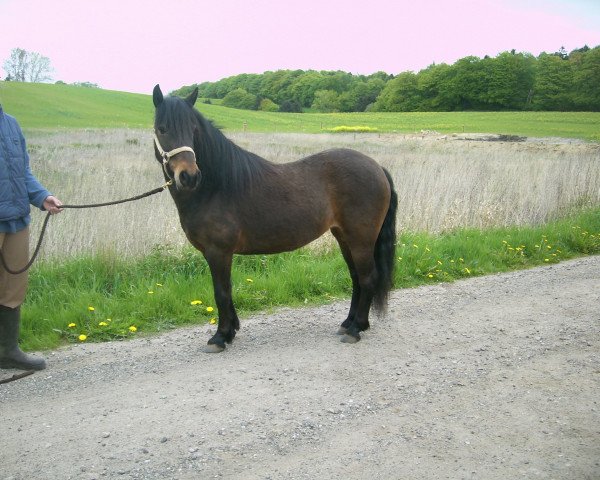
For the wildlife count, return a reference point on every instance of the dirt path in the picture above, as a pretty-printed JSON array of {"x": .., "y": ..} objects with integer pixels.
[{"x": 489, "y": 378}]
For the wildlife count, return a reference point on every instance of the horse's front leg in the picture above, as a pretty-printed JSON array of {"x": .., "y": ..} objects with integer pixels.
[{"x": 220, "y": 269}]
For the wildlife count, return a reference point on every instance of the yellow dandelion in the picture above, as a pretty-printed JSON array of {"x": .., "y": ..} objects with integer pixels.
[
  {"x": 82, "y": 337},
  {"x": 439, "y": 262},
  {"x": 468, "y": 271},
  {"x": 212, "y": 321},
  {"x": 71, "y": 325},
  {"x": 196, "y": 302},
  {"x": 159, "y": 284},
  {"x": 430, "y": 275},
  {"x": 91, "y": 309},
  {"x": 133, "y": 329},
  {"x": 150, "y": 292},
  {"x": 209, "y": 309},
  {"x": 109, "y": 319},
  {"x": 427, "y": 249},
  {"x": 249, "y": 280},
  {"x": 103, "y": 324},
  {"x": 415, "y": 245},
  {"x": 400, "y": 258},
  {"x": 546, "y": 259}
]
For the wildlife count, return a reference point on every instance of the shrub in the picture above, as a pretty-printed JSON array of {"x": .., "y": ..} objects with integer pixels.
[
  {"x": 240, "y": 98},
  {"x": 352, "y": 129},
  {"x": 290, "y": 106},
  {"x": 268, "y": 105}
]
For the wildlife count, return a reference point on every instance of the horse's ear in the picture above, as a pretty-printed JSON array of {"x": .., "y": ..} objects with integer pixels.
[
  {"x": 192, "y": 97},
  {"x": 157, "y": 96}
]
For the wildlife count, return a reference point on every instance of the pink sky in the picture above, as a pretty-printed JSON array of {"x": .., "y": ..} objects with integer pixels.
[{"x": 131, "y": 45}]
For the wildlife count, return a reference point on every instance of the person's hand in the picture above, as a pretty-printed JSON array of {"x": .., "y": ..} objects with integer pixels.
[{"x": 52, "y": 204}]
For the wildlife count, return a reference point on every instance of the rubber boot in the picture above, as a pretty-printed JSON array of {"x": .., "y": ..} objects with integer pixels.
[{"x": 11, "y": 356}]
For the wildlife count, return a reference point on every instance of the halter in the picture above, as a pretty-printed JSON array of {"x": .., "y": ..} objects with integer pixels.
[{"x": 166, "y": 156}]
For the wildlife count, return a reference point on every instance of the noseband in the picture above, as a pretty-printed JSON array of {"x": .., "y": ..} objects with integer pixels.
[{"x": 166, "y": 156}]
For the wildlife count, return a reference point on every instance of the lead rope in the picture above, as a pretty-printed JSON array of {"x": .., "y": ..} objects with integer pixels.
[{"x": 92, "y": 205}]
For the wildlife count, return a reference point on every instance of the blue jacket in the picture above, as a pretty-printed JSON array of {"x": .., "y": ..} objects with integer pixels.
[{"x": 18, "y": 186}]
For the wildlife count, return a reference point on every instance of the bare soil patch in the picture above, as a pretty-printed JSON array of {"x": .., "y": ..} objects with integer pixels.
[{"x": 494, "y": 377}]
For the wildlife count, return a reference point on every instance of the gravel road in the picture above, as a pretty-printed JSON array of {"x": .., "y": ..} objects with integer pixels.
[{"x": 493, "y": 377}]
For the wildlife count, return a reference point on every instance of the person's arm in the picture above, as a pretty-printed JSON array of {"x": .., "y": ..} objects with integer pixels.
[
  {"x": 38, "y": 195},
  {"x": 52, "y": 204}
]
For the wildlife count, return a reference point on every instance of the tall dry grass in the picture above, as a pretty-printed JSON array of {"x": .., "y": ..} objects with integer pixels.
[{"x": 442, "y": 183}]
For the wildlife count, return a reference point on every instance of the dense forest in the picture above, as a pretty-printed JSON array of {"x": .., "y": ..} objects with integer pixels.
[{"x": 510, "y": 81}]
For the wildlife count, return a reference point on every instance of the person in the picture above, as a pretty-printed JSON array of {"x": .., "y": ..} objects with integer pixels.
[{"x": 18, "y": 189}]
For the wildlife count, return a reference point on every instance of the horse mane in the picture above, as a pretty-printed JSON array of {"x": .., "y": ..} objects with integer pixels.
[{"x": 225, "y": 166}]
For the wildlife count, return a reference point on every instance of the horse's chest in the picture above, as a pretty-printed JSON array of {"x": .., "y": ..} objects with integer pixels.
[{"x": 209, "y": 230}]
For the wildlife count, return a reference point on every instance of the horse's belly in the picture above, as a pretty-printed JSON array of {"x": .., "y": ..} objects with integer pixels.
[{"x": 276, "y": 238}]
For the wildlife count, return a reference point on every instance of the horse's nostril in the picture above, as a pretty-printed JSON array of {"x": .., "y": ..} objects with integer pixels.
[{"x": 187, "y": 180}]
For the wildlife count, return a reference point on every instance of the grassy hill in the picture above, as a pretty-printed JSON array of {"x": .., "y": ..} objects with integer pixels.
[
  {"x": 39, "y": 105},
  {"x": 43, "y": 106}
]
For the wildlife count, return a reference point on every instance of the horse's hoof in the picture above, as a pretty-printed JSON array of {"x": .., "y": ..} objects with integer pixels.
[
  {"x": 347, "y": 338},
  {"x": 213, "y": 348},
  {"x": 342, "y": 331}
]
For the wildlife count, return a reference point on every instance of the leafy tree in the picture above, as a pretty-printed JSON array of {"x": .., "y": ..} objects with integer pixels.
[
  {"x": 240, "y": 98},
  {"x": 363, "y": 94},
  {"x": 24, "y": 66},
  {"x": 399, "y": 95},
  {"x": 304, "y": 88},
  {"x": 290, "y": 106},
  {"x": 469, "y": 83},
  {"x": 86, "y": 84},
  {"x": 553, "y": 83},
  {"x": 586, "y": 79},
  {"x": 277, "y": 85},
  {"x": 510, "y": 79},
  {"x": 434, "y": 85},
  {"x": 326, "y": 101},
  {"x": 268, "y": 105}
]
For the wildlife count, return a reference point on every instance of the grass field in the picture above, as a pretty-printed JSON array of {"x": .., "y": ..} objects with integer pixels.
[
  {"x": 465, "y": 207},
  {"x": 107, "y": 297},
  {"x": 43, "y": 106},
  {"x": 441, "y": 185}
]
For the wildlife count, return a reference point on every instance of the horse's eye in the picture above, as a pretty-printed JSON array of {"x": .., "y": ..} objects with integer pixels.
[{"x": 162, "y": 129}]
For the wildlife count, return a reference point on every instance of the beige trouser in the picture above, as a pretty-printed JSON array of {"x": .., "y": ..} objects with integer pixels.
[{"x": 15, "y": 249}]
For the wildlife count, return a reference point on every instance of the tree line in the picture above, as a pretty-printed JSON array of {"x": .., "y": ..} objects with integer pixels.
[{"x": 562, "y": 81}]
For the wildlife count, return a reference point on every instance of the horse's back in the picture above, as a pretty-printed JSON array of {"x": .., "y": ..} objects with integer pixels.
[
  {"x": 351, "y": 173},
  {"x": 298, "y": 201},
  {"x": 356, "y": 187}
]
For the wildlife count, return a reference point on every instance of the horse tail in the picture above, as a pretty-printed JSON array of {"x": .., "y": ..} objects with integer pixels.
[{"x": 385, "y": 251}]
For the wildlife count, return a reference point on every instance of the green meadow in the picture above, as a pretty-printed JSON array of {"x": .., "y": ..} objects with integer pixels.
[
  {"x": 107, "y": 297},
  {"x": 104, "y": 295},
  {"x": 44, "y": 106}
]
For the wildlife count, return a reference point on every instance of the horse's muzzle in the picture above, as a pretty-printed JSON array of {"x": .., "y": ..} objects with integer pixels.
[{"x": 186, "y": 180}]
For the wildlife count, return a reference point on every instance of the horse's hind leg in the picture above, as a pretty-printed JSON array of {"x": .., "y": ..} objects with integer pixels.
[
  {"x": 366, "y": 273},
  {"x": 355, "y": 285}
]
